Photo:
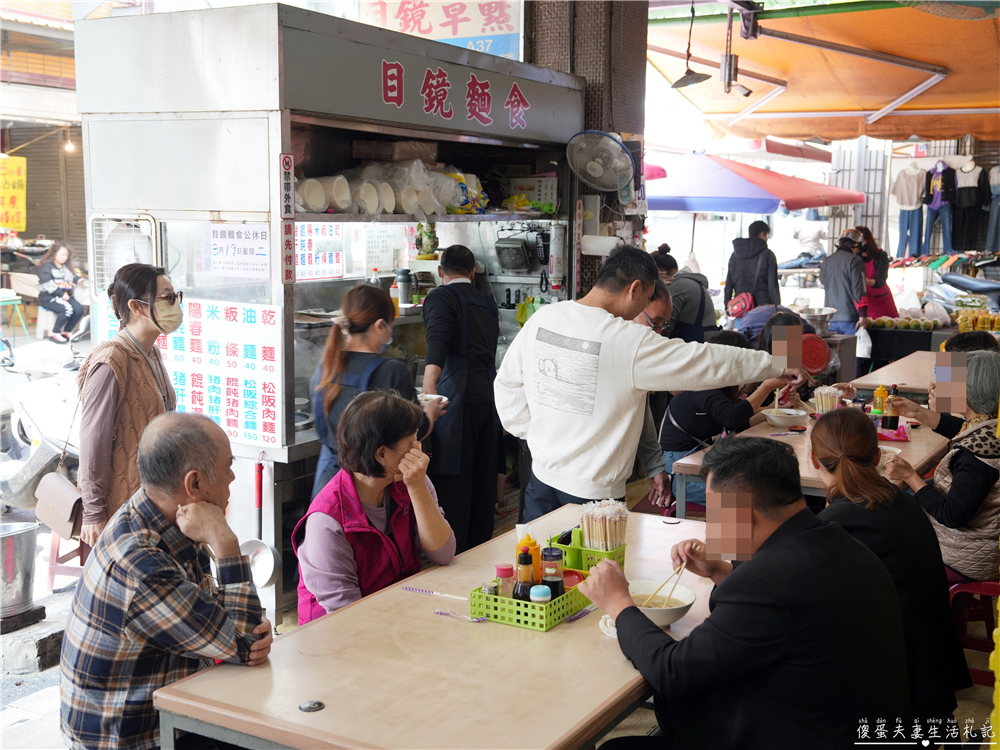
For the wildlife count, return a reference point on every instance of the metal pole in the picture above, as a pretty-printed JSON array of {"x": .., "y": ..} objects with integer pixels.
[{"x": 856, "y": 51}]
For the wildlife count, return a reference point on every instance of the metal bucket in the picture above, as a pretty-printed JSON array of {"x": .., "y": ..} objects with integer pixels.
[{"x": 17, "y": 558}]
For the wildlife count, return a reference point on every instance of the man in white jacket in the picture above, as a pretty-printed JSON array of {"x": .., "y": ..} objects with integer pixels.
[{"x": 574, "y": 382}]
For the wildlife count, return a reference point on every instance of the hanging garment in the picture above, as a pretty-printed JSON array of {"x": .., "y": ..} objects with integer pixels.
[
  {"x": 932, "y": 216},
  {"x": 911, "y": 224}
]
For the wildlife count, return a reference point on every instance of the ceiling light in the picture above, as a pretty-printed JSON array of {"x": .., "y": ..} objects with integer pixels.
[
  {"x": 69, "y": 145},
  {"x": 690, "y": 77},
  {"x": 742, "y": 90}
]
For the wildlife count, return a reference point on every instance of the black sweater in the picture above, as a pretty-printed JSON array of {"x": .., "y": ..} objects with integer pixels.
[
  {"x": 902, "y": 537},
  {"x": 443, "y": 317},
  {"x": 704, "y": 414},
  {"x": 972, "y": 481}
]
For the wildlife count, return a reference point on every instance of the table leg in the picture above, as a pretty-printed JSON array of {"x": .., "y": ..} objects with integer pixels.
[
  {"x": 24, "y": 327},
  {"x": 681, "y": 511},
  {"x": 167, "y": 737}
]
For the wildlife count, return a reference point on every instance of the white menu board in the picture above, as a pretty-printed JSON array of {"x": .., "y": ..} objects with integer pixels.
[
  {"x": 319, "y": 251},
  {"x": 241, "y": 250},
  {"x": 224, "y": 362}
]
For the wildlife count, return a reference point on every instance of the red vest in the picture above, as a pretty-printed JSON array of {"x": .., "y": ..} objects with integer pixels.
[{"x": 381, "y": 561}]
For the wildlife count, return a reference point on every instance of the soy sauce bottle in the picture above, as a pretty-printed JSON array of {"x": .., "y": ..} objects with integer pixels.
[
  {"x": 525, "y": 576},
  {"x": 890, "y": 414}
]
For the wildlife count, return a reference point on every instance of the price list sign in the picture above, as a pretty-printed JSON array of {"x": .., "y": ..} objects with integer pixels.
[
  {"x": 320, "y": 252},
  {"x": 224, "y": 363}
]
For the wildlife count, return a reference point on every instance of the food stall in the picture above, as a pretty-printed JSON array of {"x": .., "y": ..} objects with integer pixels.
[{"x": 193, "y": 152}]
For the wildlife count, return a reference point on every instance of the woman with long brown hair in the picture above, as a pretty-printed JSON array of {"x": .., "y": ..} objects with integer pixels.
[
  {"x": 893, "y": 525},
  {"x": 352, "y": 364},
  {"x": 56, "y": 281}
]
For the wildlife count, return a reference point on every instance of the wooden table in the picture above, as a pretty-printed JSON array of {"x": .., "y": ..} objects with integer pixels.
[
  {"x": 924, "y": 449},
  {"x": 393, "y": 674},
  {"x": 913, "y": 373}
]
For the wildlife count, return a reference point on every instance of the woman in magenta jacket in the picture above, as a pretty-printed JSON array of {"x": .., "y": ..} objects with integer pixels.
[{"x": 367, "y": 527}]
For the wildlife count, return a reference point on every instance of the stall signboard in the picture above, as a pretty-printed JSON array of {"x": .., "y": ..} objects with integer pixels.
[
  {"x": 13, "y": 192},
  {"x": 394, "y": 86},
  {"x": 491, "y": 27},
  {"x": 224, "y": 362},
  {"x": 241, "y": 251}
]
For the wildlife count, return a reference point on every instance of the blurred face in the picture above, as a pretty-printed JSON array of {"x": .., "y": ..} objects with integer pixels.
[
  {"x": 786, "y": 346},
  {"x": 217, "y": 492},
  {"x": 729, "y": 532},
  {"x": 62, "y": 255},
  {"x": 947, "y": 392}
]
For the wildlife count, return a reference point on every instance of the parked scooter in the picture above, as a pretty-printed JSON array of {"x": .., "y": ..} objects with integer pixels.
[
  {"x": 955, "y": 285},
  {"x": 39, "y": 418}
]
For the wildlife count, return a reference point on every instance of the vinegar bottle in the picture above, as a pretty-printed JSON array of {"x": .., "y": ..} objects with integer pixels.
[{"x": 525, "y": 579}]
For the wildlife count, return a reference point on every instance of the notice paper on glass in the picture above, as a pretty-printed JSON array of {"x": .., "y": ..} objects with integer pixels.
[{"x": 241, "y": 250}]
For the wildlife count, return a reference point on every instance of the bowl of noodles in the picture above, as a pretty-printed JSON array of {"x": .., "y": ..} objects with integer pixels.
[
  {"x": 784, "y": 417},
  {"x": 660, "y": 611}
]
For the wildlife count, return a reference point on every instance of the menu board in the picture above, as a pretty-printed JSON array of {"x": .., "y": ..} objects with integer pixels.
[
  {"x": 224, "y": 362},
  {"x": 331, "y": 250},
  {"x": 319, "y": 251}
]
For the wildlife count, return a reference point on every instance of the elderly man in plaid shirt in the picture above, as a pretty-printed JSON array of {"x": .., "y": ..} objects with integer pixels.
[{"x": 147, "y": 611}]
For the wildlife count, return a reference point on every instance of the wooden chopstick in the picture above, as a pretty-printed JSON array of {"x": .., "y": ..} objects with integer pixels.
[
  {"x": 676, "y": 571},
  {"x": 665, "y": 601}
]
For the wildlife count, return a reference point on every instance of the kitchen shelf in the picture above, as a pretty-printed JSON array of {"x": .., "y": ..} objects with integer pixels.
[{"x": 410, "y": 219}]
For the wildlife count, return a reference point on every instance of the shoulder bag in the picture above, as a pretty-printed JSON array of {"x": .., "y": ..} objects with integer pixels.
[
  {"x": 741, "y": 304},
  {"x": 60, "y": 506}
]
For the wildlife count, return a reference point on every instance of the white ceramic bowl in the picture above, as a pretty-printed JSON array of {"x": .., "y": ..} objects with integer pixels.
[
  {"x": 886, "y": 452},
  {"x": 787, "y": 418},
  {"x": 426, "y": 398},
  {"x": 663, "y": 617}
]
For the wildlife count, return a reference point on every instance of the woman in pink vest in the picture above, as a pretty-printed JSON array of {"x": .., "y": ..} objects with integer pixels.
[{"x": 367, "y": 527}]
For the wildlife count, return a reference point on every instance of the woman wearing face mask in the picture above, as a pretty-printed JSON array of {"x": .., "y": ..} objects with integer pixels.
[
  {"x": 352, "y": 364},
  {"x": 123, "y": 385}
]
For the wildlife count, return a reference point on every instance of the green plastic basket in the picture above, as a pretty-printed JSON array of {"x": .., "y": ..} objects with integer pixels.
[
  {"x": 588, "y": 558},
  {"x": 526, "y": 614}
]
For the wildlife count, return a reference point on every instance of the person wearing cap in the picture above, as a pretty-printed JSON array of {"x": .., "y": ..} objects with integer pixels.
[
  {"x": 843, "y": 278},
  {"x": 753, "y": 268}
]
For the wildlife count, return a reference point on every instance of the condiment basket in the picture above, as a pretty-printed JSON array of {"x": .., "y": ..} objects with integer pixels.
[{"x": 527, "y": 614}]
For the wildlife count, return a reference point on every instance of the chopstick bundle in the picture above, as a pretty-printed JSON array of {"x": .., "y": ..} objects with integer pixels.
[{"x": 604, "y": 523}]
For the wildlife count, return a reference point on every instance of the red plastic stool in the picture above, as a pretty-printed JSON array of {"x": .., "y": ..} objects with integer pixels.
[
  {"x": 57, "y": 562},
  {"x": 971, "y": 609}
]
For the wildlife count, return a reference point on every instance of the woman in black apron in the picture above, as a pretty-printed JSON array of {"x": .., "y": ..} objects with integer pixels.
[{"x": 352, "y": 364}]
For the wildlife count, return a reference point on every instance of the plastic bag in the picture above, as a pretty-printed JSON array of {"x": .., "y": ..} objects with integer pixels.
[
  {"x": 864, "y": 345},
  {"x": 692, "y": 263}
]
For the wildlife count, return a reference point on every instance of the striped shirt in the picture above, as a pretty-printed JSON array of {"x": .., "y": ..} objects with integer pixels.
[{"x": 147, "y": 612}]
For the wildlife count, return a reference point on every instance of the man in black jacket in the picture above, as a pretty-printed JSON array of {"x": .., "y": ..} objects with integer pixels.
[
  {"x": 804, "y": 643},
  {"x": 753, "y": 268}
]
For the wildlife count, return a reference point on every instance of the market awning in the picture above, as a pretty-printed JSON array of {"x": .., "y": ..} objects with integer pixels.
[
  {"x": 835, "y": 95},
  {"x": 768, "y": 149},
  {"x": 700, "y": 182}
]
